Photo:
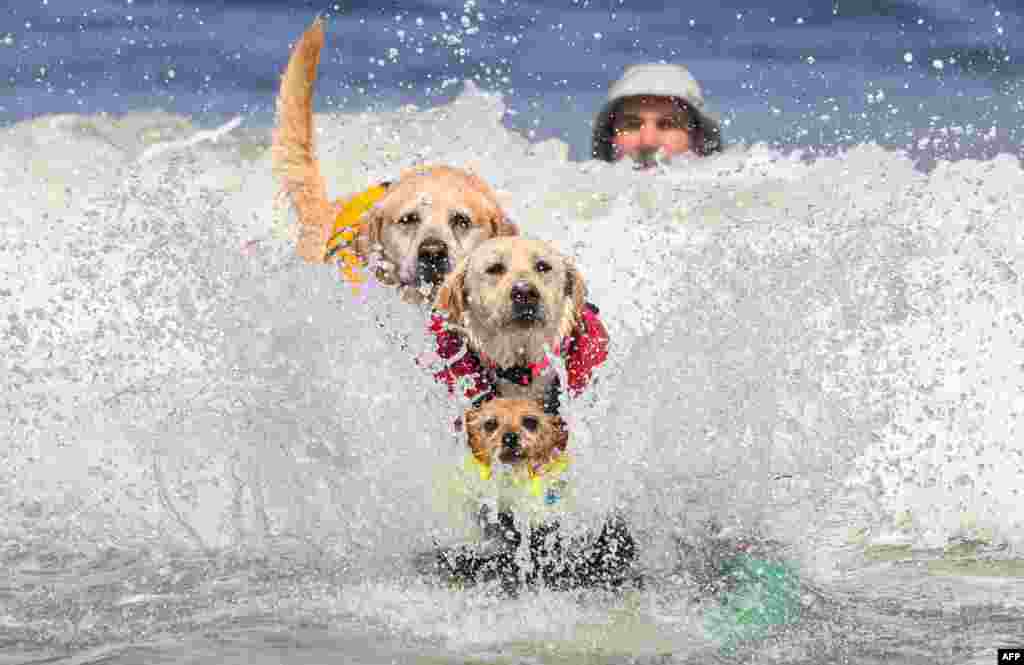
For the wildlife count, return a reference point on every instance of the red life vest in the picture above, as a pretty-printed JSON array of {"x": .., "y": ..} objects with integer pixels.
[{"x": 583, "y": 350}]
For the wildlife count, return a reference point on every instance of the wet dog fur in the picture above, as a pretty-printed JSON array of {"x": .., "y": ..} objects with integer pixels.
[
  {"x": 426, "y": 222},
  {"x": 516, "y": 432},
  {"x": 510, "y": 298}
]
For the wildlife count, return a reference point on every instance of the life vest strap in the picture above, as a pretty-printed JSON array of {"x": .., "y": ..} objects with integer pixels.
[
  {"x": 347, "y": 225},
  {"x": 537, "y": 477}
]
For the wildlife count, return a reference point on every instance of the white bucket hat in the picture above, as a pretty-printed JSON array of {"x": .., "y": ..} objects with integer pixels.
[{"x": 662, "y": 80}]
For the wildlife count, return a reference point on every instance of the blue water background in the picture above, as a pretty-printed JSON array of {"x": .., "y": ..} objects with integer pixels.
[{"x": 819, "y": 74}]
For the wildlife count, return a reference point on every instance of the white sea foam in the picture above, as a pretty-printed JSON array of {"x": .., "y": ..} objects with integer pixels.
[{"x": 790, "y": 339}]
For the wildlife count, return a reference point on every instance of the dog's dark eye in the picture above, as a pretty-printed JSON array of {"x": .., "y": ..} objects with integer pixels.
[
  {"x": 409, "y": 219},
  {"x": 490, "y": 425},
  {"x": 542, "y": 266},
  {"x": 460, "y": 221},
  {"x": 496, "y": 269},
  {"x": 530, "y": 423}
]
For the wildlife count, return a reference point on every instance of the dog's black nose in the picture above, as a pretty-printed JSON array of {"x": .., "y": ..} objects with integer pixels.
[
  {"x": 510, "y": 440},
  {"x": 524, "y": 293},
  {"x": 432, "y": 261}
]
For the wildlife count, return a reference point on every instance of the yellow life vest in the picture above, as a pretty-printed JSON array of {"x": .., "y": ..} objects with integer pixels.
[
  {"x": 537, "y": 496},
  {"x": 347, "y": 225},
  {"x": 535, "y": 493},
  {"x": 542, "y": 482}
]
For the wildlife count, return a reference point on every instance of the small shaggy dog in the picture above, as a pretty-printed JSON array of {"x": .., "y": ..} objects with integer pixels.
[
  {"x": 508, "y": 305},
  {"x": 411, "y": 232},
  {"x": 516, "y": 474}
]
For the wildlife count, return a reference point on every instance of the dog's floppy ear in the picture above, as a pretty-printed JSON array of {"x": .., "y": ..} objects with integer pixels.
[
  {"x": 363, "y": 242},
  {"x": 471, "y": 423},
  {"x": 501, "y": 225},
  {"x": 373, "y": 227},
  {"x": 369, "y": 236},
  {"x": 561, "y": 434},
  {"x": 575, "y": 287},
  {"x": 451, "y": 297}
]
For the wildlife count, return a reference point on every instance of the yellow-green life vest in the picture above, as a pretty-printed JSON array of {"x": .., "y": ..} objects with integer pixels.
[{"x": 537, "y": 495}]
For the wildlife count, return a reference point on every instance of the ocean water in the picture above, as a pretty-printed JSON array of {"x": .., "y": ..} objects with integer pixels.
[
  {"x": 935, "y": 77},
  {"x": 213, "y": 453}
]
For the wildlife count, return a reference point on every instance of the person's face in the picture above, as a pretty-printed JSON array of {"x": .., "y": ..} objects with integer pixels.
[{"x": 646, "y": 124}]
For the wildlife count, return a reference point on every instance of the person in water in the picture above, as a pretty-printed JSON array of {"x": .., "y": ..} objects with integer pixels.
[{"x": 655, "y": 112}]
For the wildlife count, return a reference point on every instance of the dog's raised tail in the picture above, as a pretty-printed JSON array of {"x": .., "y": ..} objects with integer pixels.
[{"x": 293, "y": 151}]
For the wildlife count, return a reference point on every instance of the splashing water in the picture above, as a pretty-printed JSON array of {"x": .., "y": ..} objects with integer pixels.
[{"x": 822, "y": 355}]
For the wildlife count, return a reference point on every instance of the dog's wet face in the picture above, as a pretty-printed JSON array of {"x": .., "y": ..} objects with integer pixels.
[
  {"x": 515, "y": 432},
  {"x": 521, "y": 284},
  {"x": 429, "y": 221},
  {"x": 428, "y": 234},
  {"x": 514, "y": 297}
]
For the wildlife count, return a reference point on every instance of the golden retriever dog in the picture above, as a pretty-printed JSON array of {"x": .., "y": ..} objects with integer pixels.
[
  {"x": 510, "y": 303},
  {"x": 412, "y": 233}
]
